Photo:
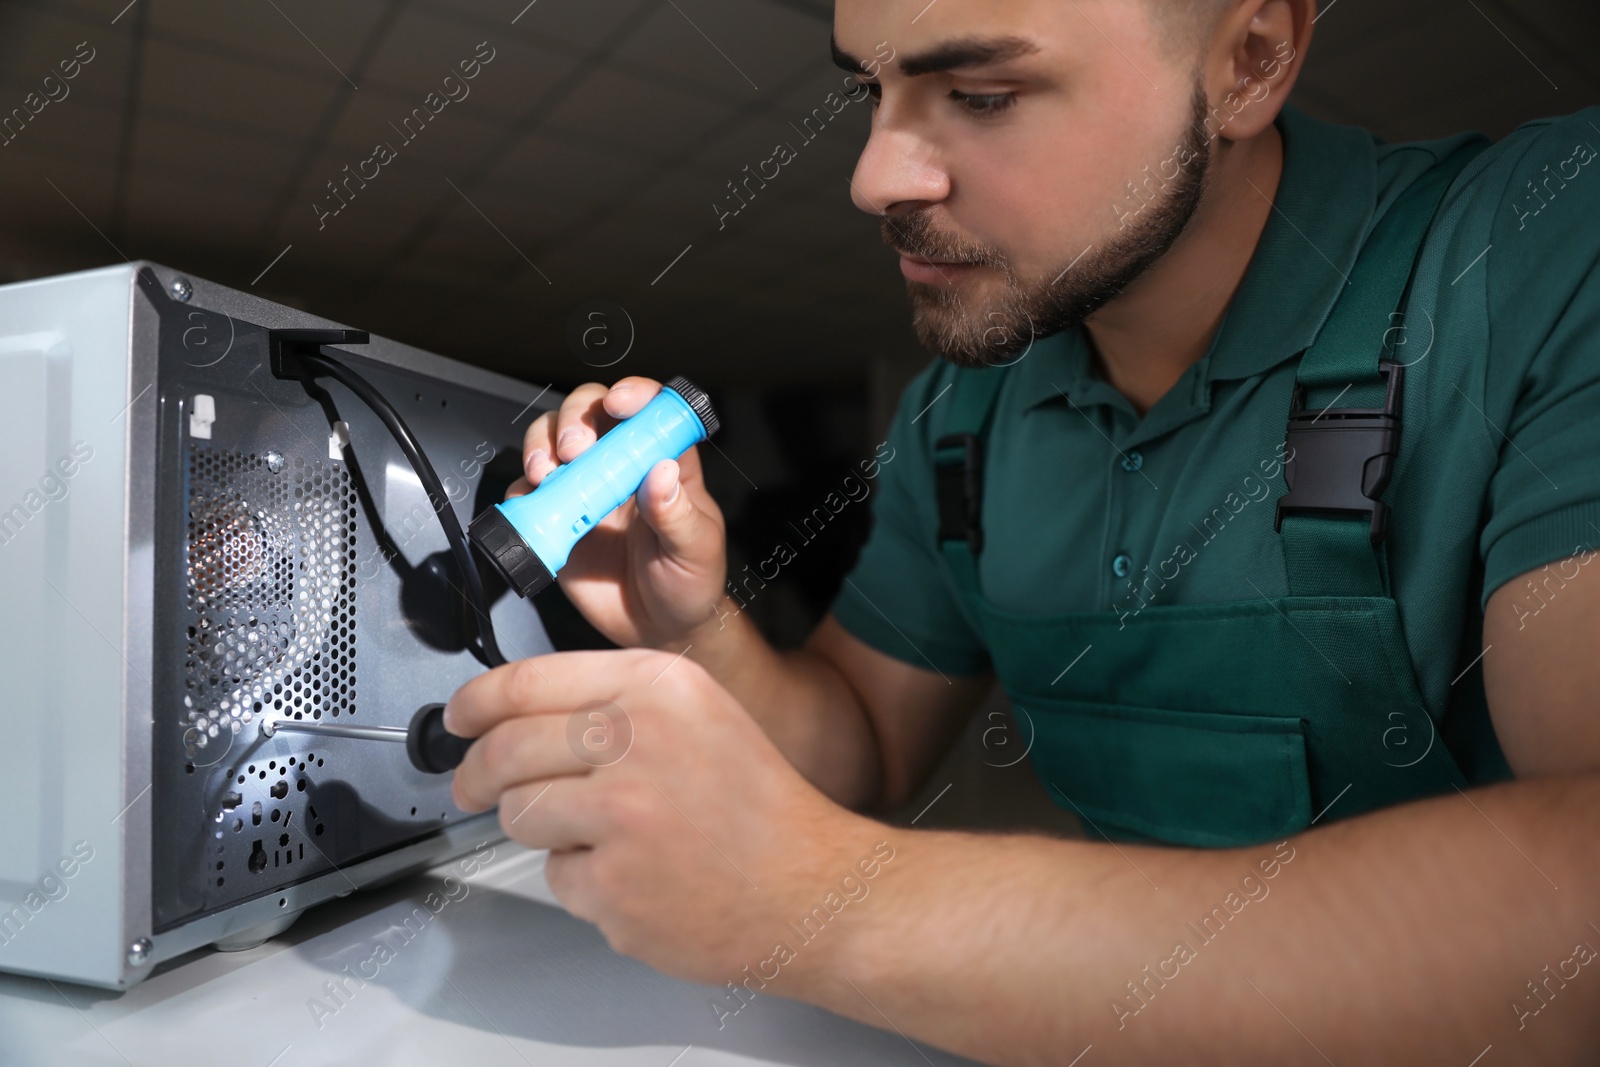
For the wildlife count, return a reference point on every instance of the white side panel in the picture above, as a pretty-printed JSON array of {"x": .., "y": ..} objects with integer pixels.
[{"x": 64, "y": 345}]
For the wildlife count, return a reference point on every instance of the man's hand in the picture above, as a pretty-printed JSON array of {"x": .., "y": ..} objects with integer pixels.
[
  {"x": 655, "y": 567},
  {"x": 674, "y": 824}
]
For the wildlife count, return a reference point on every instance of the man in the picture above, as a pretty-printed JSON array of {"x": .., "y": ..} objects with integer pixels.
[{"x": 1369, "y": 698}]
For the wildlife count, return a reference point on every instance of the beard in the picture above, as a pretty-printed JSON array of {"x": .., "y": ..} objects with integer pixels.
[{"x": 991, "y": 332}]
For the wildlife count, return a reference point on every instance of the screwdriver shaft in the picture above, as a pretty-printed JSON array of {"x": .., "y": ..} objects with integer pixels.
[{"x": 366, "y": 733}]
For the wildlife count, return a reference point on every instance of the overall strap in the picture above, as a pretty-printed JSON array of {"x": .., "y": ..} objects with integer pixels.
[
  {"x": 1339, "y": 459},
  {"x": 958, "y": 458}
]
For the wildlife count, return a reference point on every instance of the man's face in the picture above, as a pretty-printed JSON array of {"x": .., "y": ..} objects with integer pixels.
[{"x": 1004, "y": 141}]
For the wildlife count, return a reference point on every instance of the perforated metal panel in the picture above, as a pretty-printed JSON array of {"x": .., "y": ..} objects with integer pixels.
[{"x": 270, "y": 561}]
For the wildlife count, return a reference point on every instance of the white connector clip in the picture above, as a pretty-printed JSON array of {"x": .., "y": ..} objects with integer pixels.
[{"x": 202, "y": 415}]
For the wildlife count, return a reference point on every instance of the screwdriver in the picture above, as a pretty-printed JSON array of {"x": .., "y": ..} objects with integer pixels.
[{"x": 432, "y": 748}]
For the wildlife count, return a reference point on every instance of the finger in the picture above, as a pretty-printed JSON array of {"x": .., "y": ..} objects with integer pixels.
[
  {"x": 520, "y": 487},
  {"x": 566, "y": 872},
  {"x": 539, "y": 440},
  {"x": 551, "y": 814},
  {"x": 557, "y": 682},
  {"x": 581, "y": 421},
  {"x": 537, "y": 465},
  {"x": 670, "y": 511},
  {"x": 517, "y": 750},
  {"x": 629, "y": 395}
]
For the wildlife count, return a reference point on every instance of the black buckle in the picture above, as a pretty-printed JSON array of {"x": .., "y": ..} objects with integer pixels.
[
  {"x": 959, "y": 489},
  {"x": 1340, "y": 459}
]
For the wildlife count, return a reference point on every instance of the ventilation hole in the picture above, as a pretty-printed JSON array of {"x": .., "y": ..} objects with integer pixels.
[
  {"x": 279, "y": 790},
  {"x": 258, "y": 858},
  {"x": 255, "y": 814}
]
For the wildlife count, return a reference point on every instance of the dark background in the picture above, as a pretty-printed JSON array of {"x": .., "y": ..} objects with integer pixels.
[{"x": 585, "y": 165}]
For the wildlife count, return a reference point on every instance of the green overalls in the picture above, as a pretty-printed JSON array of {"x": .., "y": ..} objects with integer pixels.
[{"x": 1236, "y": 723}]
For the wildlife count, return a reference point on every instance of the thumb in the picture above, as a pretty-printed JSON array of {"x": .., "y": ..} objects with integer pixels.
[{"x": 682, "y": 528}]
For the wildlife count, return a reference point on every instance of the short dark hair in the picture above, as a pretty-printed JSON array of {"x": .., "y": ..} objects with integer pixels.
[{"x": 1182, "y": 25}]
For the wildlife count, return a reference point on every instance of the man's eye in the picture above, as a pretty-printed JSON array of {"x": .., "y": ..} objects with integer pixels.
[{"x": 983, "y": 105}]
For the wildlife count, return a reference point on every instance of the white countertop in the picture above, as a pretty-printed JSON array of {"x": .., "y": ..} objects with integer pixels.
[{"x": 501, "y": 975}]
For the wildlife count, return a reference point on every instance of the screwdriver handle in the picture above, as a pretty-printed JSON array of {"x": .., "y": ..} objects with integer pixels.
[{"x": 432, "y": 748}]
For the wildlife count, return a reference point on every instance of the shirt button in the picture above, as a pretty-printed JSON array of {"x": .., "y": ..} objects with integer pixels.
[
  {"x": 1122, "y": 565},
  {"x": 1133, "y": 461}
]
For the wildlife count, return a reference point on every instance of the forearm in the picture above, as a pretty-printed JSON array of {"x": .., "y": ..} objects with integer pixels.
[
  {"x": 802, "y": 702},
  {"x": 1407, "y": 936}
]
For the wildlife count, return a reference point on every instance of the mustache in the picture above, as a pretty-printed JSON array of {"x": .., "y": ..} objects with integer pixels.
[{"x": 914, "y": 235}]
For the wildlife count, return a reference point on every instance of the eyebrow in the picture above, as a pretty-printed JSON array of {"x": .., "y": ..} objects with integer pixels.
[{"x": 950, "y": 55}]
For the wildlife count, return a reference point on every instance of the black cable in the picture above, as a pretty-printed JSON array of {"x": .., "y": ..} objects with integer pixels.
[{"x": 408, "y": 443}]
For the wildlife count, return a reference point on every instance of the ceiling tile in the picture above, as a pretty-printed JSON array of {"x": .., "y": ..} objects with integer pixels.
[
  {"x": 197, "y": 157},
  {"x": 36, "y": 190},
  {"x": 217, "y": 213},
  {"x": 359, "y": 224},
  {"x": 636, "y": 116},
  {"x": 425, "y": 46},
  {"x": 226, "y": 90},
  {"x": 562, "y": 23},
  {"x": 551, "y": 186},
  {"x": 451, "y": 140},
  {"x": 742, "y": 48},
  {"x": 302, "y": 31},
  {"x": 34, "y": 45}
]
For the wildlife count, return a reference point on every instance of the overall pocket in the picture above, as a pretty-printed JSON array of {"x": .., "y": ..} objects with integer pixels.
[{"x": 1180, "y": 777}]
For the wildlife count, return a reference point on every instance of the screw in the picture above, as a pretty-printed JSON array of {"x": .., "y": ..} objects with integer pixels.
[
  {"x": 139, "y": 952},
  {"x": 274, "y": 462},
  {"x": 181, "y": 289}
]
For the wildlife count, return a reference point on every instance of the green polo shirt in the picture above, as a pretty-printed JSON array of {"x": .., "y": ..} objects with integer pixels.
[{"x": 1089, "y": 507}]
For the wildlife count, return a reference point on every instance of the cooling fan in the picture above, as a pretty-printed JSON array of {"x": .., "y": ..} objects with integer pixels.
[{"x": 270, "y": 557}]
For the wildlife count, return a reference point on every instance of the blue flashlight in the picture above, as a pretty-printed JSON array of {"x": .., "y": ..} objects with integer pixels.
[{"x": 530, "y": 537}]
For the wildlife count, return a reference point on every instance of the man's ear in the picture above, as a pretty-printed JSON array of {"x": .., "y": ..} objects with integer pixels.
[{"x": 1254, "y": 62}]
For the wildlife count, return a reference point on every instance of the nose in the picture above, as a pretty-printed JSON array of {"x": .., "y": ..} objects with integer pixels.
[{"x": 897, "y": 172}]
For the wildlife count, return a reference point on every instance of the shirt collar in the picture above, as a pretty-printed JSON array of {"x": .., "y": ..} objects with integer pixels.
[{"x": 1322, "y": 211}]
